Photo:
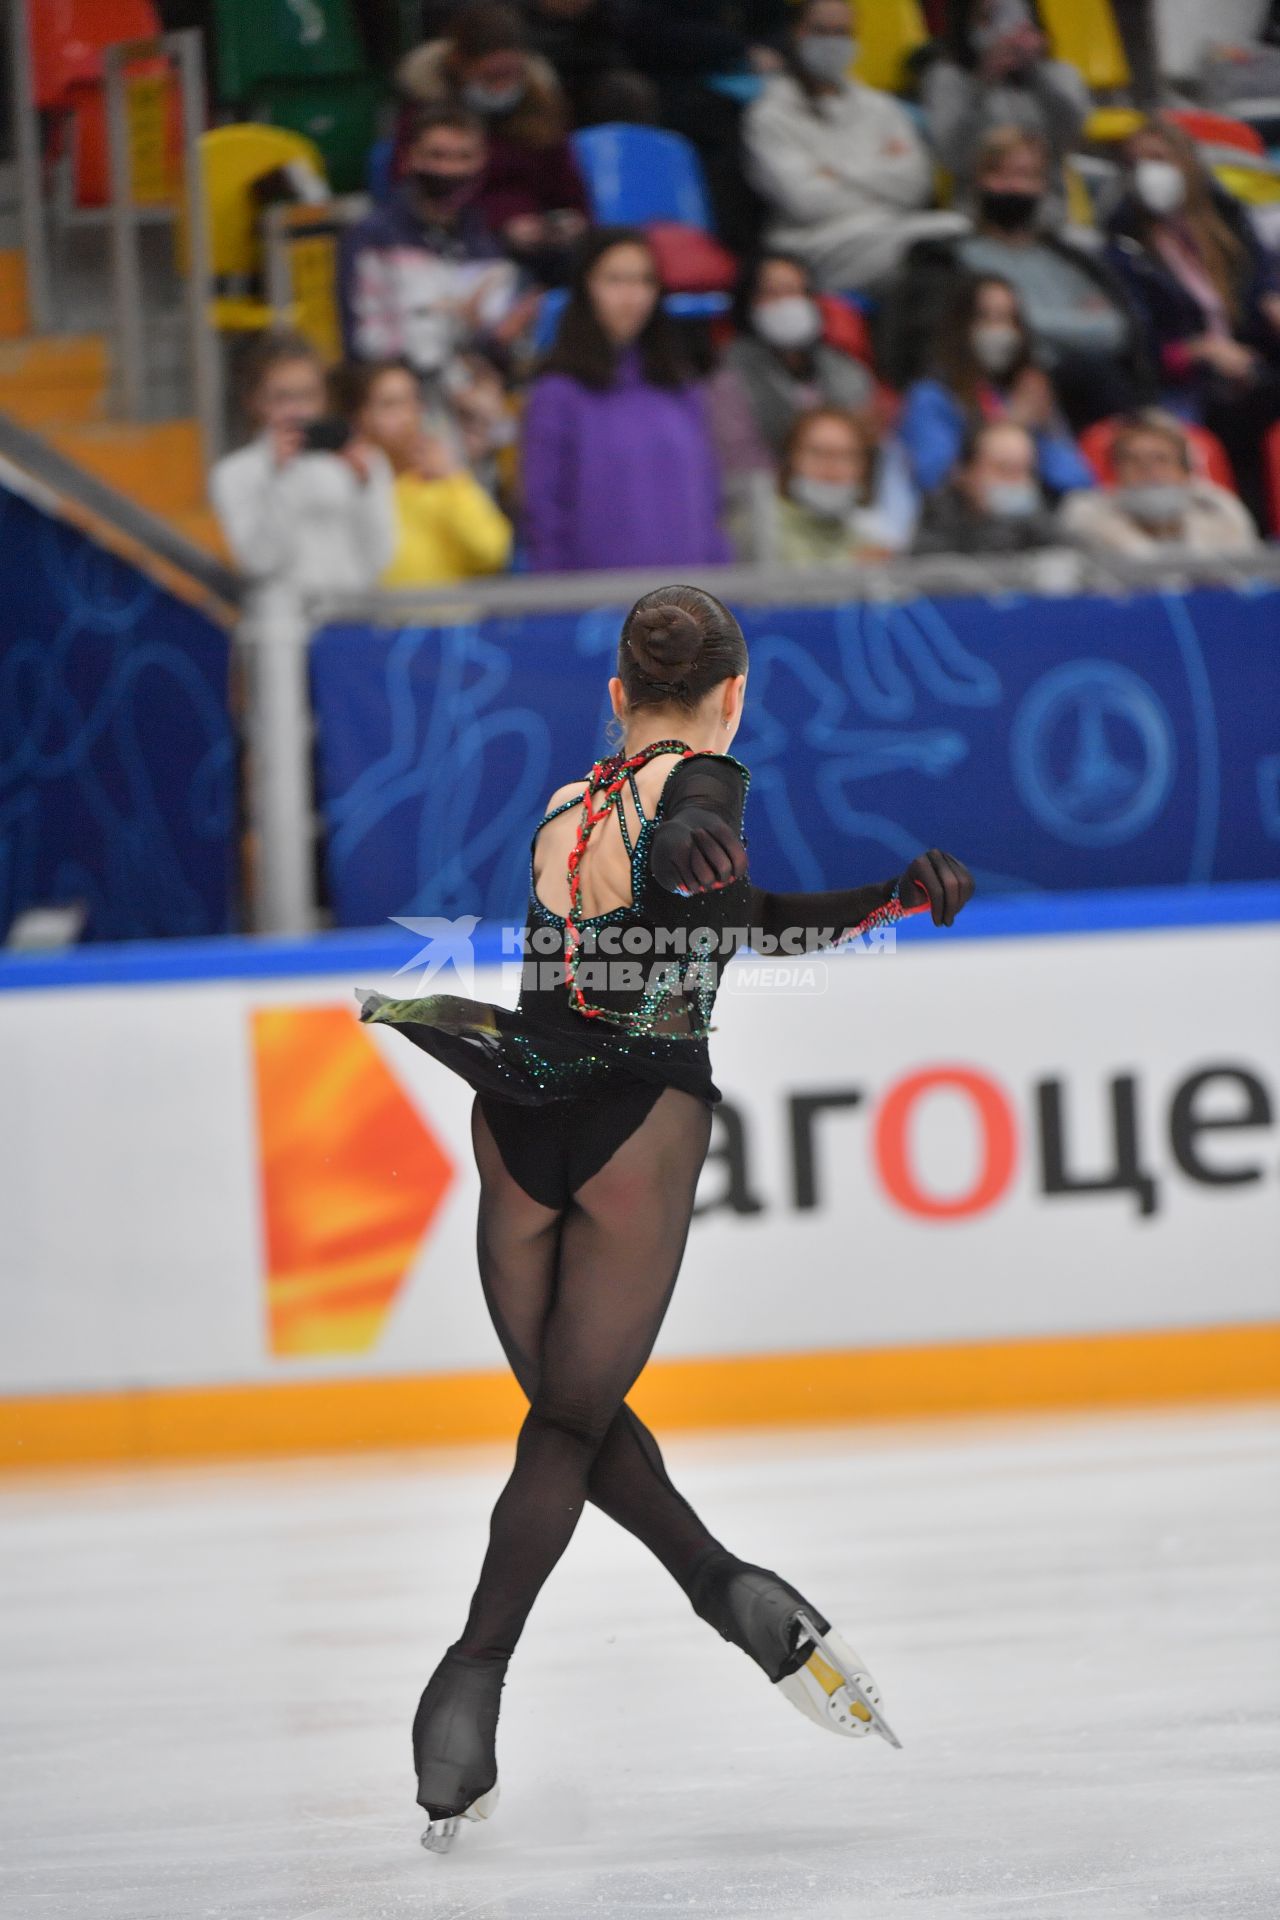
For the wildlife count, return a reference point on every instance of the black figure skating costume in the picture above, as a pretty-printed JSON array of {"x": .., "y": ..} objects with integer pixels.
[{"x": 590, "y": 1130}]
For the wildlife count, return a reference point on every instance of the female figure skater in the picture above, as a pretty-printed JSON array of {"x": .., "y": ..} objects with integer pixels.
[{"x": 591, "y": 1121}]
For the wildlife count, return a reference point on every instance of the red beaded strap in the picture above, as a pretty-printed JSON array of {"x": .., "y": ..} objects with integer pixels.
[
  {"x": 885, "y": 914},
  {"x": 606, "y": 777}
]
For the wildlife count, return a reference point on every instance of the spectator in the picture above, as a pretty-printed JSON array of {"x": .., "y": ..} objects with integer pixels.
[
  {"x": 830, "y": 504},
  {"x": 531, "y": 193},
  {"x": 1087, "y": 337},
  {"x": 707, "y": 59},
  {"x": 1207, "y": 291},
  {"x": 776, "y": 366},
  {"x": 585, "y": 41},
  {"x": 992, "y": 502},
  {"x": 998, "y": 74},
  {"x": 984, "y": 369},
  {"x": 423, "y": 278},
  {"x": 1158, "y": 500},
  {"x": 297, "y": 520},
  {"x": 845, "y": 174},
  {"x": 448, "y": 528},
  {"x": 619, "y": 468}
]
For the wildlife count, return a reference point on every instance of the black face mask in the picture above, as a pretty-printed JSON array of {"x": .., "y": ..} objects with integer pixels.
[
  {"x": 442, "y": 186},
  {"x": 1012, "y": 211}
]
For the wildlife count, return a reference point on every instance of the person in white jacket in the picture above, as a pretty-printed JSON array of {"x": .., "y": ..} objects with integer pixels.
[
  {"x": 845, "y": 174},
  {"x": 301, "y": 522}
]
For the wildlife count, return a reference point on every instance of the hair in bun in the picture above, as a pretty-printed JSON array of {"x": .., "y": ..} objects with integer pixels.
[{"x": 677, "y": 643}]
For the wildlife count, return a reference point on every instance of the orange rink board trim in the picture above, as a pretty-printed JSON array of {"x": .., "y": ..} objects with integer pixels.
[{"x": 1077, "y": 1371}]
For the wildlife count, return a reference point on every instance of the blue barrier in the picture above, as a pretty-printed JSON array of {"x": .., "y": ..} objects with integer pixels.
[
  {"x": 117, "y": 753},
  {"x": 1053, "y": 744}
]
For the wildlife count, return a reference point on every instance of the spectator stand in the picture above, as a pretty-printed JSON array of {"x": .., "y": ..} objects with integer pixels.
[{"x": 302, "y": 69}]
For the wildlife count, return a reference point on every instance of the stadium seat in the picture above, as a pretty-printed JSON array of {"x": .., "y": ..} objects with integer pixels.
[
  {"x": 68, "y": 38},
  {"x": 635, "y": 175},
  {"x": 233, "y": 158},
  {"x": 1271, "y": 460},
  {"x": 1216, "y": 129},
  {"x": 888, "y": 32},
  {"x": 1084, "y": 34},
  {"x": 340, "y": 116},
  {"x": 1207, "y": 451},
  {"x": 258, "y": 44},
  {"x": 380, "y": 171}
]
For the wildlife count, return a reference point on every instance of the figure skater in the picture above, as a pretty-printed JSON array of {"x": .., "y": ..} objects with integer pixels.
[{"x": 591, "y": 1121}]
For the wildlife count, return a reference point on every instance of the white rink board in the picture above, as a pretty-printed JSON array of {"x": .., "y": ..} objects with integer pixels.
[{"x": 130, "y": 1188}]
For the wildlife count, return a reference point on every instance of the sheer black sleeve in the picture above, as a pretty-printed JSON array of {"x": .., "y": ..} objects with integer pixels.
[{"x": 703, "y": 805}]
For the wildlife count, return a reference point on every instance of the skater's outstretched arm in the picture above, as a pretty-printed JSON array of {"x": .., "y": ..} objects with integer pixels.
[{"x": 698, "y": 848}]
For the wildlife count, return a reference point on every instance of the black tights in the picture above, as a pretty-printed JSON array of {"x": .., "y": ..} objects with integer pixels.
[{"x": 577, "y": 1294}]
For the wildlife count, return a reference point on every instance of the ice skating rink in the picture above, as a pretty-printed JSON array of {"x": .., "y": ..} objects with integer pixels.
[{"x": 210, "y": 1674}]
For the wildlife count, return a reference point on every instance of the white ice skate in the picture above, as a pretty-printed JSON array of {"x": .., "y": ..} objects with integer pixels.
[
  {"x": 439, "y": 1835},
  {"x": 834, "y": 1687}
]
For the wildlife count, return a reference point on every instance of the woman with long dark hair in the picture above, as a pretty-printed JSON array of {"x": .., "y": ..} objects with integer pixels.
[
  {"x": 591, "y": 1122},
  {"x": 983, "y": 367},
  {"x": 618, "y": 466},
  {"x": 1208, "y": 292}
]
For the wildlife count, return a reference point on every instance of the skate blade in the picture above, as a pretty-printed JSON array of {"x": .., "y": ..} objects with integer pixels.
[
  {"x": 440, "y": 1835},
  {"x": 834, "y": 1688}
]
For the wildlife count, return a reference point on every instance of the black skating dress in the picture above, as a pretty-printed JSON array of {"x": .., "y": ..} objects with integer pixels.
[{"x": 562, "y": 1088}]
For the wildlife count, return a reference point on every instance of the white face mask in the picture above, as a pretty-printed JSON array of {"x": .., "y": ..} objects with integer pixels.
[
  {"x": 792, "y": 322},
  {"x": 829, "y": 499},
  {"x": 827, "y": 56},
  {"x": 1159, "y": 185},
  {"x": 1158, "y": 505},
  {"x": 1012, "y": 499},
  {"x": 995, "y": 344},
  {"x": 482, "y": 99}
]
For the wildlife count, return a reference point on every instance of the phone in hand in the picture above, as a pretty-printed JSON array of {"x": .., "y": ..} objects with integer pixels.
[{"x": 326, "y": 435}]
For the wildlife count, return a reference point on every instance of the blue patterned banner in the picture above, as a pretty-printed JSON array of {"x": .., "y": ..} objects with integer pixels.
[
  {"x": 1051, "y": 743},
  {"x": 117, "y": 752}
]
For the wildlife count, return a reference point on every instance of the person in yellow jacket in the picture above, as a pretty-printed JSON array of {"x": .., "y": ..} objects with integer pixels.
[{"x": 448, "y": 528}]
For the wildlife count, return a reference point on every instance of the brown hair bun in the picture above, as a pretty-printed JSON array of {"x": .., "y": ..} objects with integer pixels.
[{"x": 665, "y": 639}]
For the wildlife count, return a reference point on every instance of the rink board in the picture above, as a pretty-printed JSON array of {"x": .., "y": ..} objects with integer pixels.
[{"x": 1019, "y": 1167}]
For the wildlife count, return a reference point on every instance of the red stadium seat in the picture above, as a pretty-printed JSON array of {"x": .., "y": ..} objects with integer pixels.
[
  {"x": 843, "y": 326},
  {"x": 1217, "y": 129},
  {"x": 1271, "y": 464},
  {"x": 68, "y": 36},
  {"x": 1207, "y": 452}
]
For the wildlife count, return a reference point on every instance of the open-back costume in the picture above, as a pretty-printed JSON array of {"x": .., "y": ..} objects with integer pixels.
[{"x": 591, "y": 1122}]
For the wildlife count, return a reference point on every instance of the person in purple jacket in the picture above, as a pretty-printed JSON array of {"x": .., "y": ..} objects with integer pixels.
[{"x": 618, "y": 465}]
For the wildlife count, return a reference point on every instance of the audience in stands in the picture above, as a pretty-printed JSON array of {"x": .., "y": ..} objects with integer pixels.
[
  {"x": 776, "y": 366},
  {"x": 838, "y": 497},
  {"x": 1157, "y": 500},
  {"x": 299, "y": 517},
  {"x": 996, "y": 72},
  {"x": 993, "y": 502},
  {"x": 847, "y": 178},
  {"x": 1208, "y": 292},
  {"x": 423, "y": 277},
  {"x": 983, "y": 368},
  {"x": 530, "y": 192},
  {"x": 1088, "y": 338},
  {"x": 447, "y": 527},
  {"x": 618, "y": 464},
  {"x": 587, "y": 43}
]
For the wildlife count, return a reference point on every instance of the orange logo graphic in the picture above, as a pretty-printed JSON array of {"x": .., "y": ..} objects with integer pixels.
[{"x": 351, "y": 1179}]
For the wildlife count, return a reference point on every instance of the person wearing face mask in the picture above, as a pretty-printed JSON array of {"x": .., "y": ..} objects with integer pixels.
[
  {"x": 983, "y": 368},
  {"x": 832, "y": 502},
  {"x": 1157, "y": 499},
  {"x": 776, "y": 367},
  {"x": 1209, "y": 294},
  {"x": 531, "y": 193},
  {"x": 995, "y": 72},
  {"x": 993, "y": 502},
  {"x": 846, "y": 177},
  {"x": 423, "y": 278}
]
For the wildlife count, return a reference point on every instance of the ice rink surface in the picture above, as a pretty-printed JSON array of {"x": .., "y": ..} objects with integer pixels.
[{"x": 210, "y": 1674}]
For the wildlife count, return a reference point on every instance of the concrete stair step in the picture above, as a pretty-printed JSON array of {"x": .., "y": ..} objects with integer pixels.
[{"x": 161, "y": 466}]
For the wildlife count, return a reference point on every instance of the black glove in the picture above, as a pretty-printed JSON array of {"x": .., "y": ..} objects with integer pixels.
[
  {"x": 696, "y": 852},
  {"x": 943, "y": 881}
]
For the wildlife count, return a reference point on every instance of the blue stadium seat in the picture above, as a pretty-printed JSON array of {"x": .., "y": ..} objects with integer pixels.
[
  {"x": 379, "y": 172},
  {"x": 637, "y": 174}
]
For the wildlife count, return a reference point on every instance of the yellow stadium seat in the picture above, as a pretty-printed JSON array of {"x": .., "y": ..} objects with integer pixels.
[
  {"x": 1085, "y": 35},
  {"x": 1259, "y": 186},
  {"x": 1079, "y": 205},
  {"x": 233, "y": 158},
  {"x": 887, "y": 31}
]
